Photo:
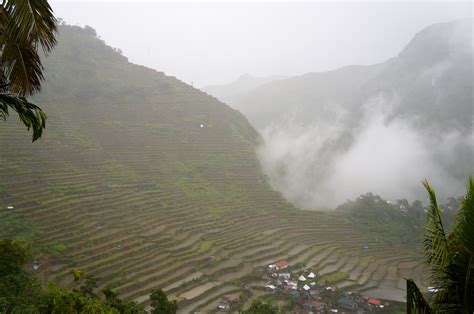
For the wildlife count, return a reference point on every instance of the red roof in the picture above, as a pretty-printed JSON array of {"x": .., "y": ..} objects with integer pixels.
[
  {"x": 373, "y": 301},
  {"x": 281, "y": 264}
]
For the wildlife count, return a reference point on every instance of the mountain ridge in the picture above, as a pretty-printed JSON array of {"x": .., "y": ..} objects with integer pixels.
[{"x": 424, "y": 94}]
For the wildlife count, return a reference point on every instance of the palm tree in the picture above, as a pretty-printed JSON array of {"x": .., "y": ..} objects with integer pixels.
[
  {"x": 451, "y": 259},
  {"x": 25, "y": 27}
]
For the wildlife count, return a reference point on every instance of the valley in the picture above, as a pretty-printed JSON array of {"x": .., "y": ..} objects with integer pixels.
[{"x": 146, "y": 182}]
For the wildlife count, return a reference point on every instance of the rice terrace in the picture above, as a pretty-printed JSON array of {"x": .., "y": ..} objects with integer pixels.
[{"x": 145, "y": 182}]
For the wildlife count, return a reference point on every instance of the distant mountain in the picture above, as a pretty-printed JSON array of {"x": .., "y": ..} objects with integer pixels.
[
  {"x": 243, "y": 84},
  {"x": 424, "y": 94}
]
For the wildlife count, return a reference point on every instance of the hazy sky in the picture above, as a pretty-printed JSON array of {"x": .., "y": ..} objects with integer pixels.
[{"x": 214, "y": 43}]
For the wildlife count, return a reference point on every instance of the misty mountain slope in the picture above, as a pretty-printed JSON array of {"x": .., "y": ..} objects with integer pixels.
[
  {"x": 243, "y": 84},
  {"x": 382, "y": 128},
  {"x": 130, "y": 156},
  {"x": 139, "y": 179},
  {"x": 304, "y": 96},
  {"x": 432, "y": 77}
]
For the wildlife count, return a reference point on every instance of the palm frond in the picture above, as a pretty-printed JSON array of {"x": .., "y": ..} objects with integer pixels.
[
  {"x": 464, "y": 230},
  {"x": 31, "y": 20},
  {"x": 438, "y": 255},
  {"x": 462, "y": 238},
  {"x": 435, "y": 240},
  {"x": 31, "y": 115},
  {"x": 24, "y": 26},
  {"x": 22, "y": 66},
  {"x": 416, "y": 303}
]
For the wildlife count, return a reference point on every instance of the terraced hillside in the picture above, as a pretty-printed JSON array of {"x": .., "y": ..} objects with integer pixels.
[{"x": 147, "y": 182}]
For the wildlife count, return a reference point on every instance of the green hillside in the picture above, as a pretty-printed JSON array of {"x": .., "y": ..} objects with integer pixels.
[{"x": 146, "y": 182}]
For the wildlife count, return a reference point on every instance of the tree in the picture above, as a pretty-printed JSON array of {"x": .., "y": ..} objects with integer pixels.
[
  {"x": 258, "y": 307},
  {"x": 450, "y": 257},
  {"x": 25, "y": 27},
  {"x": 18, "y": 286},
  {"x": 160, "y": 303},
  {"x": 20, "y": 289}
]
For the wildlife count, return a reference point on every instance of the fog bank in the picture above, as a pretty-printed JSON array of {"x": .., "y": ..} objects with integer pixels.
[{"x": 386, "y": 156}]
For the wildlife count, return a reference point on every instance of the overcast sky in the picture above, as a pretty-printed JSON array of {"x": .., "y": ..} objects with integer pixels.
[{"x": 214, "y": 43}]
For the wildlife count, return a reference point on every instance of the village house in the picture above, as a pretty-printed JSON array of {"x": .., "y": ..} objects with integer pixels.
[
  {"x": 281, "y": 265},
  {"x": 373, "y": 302},
  {"x": 346, "y": 302}
]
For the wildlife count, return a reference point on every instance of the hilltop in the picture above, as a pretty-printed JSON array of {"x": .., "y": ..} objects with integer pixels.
[
  {"x": 146, "y": 182},
  {"x": 432, "y": 71},
  {"x": 416, "y": 105}
]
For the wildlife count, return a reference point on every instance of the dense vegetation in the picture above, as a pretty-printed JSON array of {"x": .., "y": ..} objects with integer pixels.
[
  {"x": 393, "y": 222},
  {"x": 450, "y": 256},
  {"x": 21, "y": 291}
]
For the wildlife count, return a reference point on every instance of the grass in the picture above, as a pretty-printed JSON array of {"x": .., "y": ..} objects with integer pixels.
[
  {"x": 204, "y": 246},
  {"x": 334, "y": 277},
  {"x": 58, "y": 247},
  {"x": 17, "y": 225}
]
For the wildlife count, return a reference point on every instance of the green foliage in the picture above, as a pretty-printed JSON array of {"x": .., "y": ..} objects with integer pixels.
[
  {"x": 20, "y": 290},
  {"x": 123, "y": 306},
  {"x": 258, "y": 307},
  {"x": 333, "y": 277},
  {"x": 25, "y": 26},
  {"x": 18, "y": 226},
  {"x": 31, "y": 115},
  {"x": 394, "y": 223},
  {"x": 160, "y": 303},
  {"x": 398, "y": 222},
  {"x": 451, "y": 258},
  {"x": 58, "y": 247},
  {"x": 204, "y": 246}
]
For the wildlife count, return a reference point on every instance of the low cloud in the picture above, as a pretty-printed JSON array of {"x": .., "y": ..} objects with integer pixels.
[{"x": 331, "y": 160}]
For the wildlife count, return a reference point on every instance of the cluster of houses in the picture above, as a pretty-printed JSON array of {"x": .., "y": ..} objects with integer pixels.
[
  {"x": 312, "y": 296},
  {"x": 355, "y": 302},
  {"x": 282, "y": 279}
]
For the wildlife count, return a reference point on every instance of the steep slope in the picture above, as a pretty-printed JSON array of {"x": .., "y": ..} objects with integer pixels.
[
  {"x": 432, "y": 77},
  {"x": 418, "y": 105},
  {"x": 243, "y": 84},
  {"x": 147, "y": 182}
]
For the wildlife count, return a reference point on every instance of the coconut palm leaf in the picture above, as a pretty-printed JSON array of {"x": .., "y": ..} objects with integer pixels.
[
  {"x": 24, "y": 26},
  {"x": 31, "y": 20},
  {"x": 439, "y": 257},
  {"x": 22, "y": 66},
  {"x": 462, "y": 239},
  {"x": 31, "y": 115},
  {"x": 451, "y": 259},
  {"x": 435, "y": 240},
  {"x": 464, "y": 227},
  {"x": 416, "y": 303}
]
